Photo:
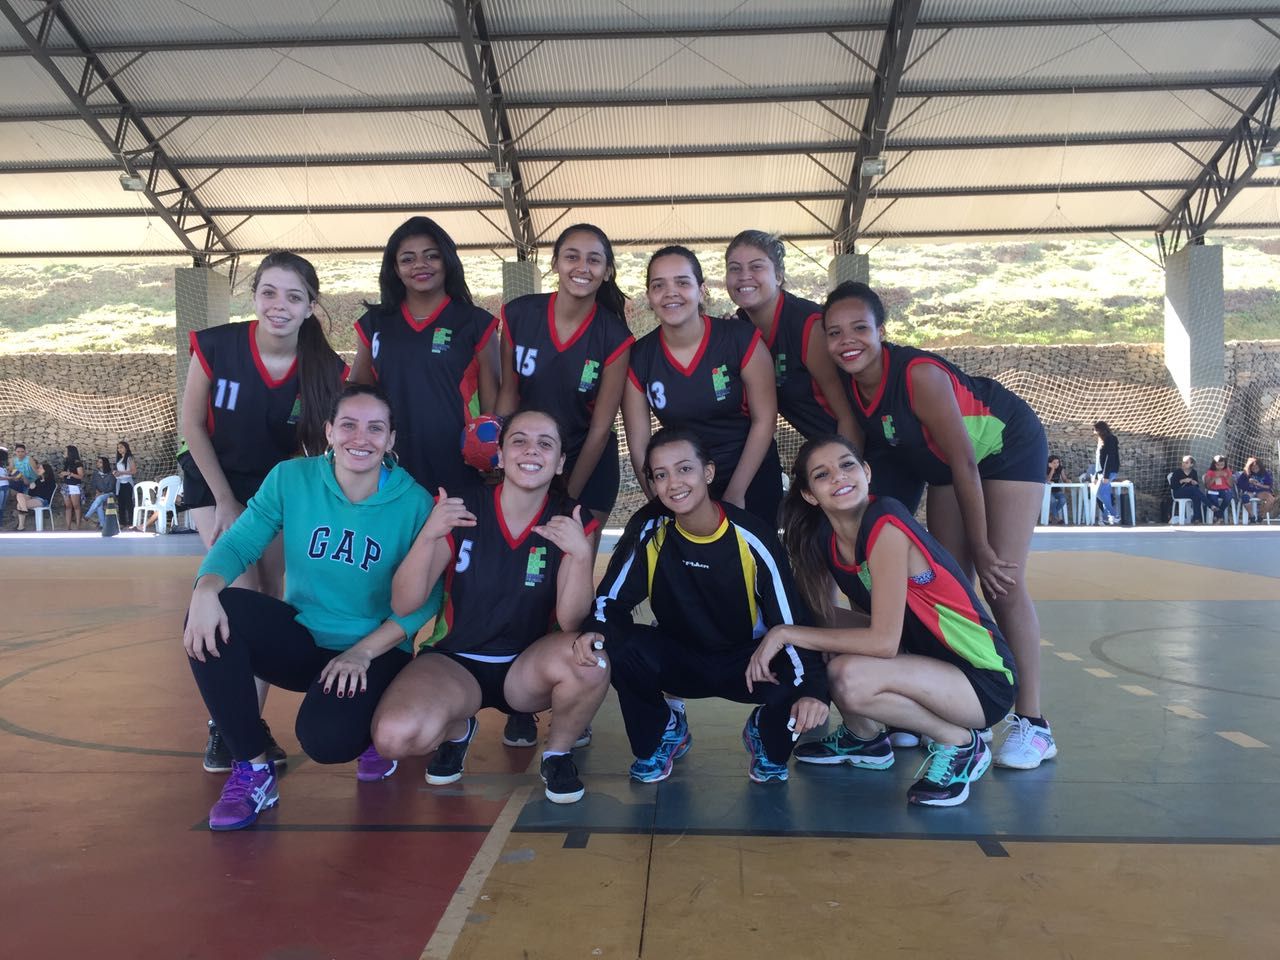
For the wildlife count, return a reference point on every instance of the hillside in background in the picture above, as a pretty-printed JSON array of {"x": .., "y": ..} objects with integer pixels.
[{"x": 1045, "y": 291}]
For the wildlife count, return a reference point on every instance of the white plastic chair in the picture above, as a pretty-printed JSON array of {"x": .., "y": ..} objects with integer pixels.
[
  {"x": 167, "y": 503},
  {"x": 1181, "y": 512},
  {"x": 47, "y": 509},
  {"x": 144, "y": 500}
]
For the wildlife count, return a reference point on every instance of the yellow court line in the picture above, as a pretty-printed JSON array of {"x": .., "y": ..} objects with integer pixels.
[
  {"x": 1099, "y": 672},
  {"x": 1066, "y": 656},
  {"x": 1045, "y": 643},
  {"x": 1136, "y": 690},
  {"x": 1182, "y": 710},
  {"x": 1242, "y": 739}
]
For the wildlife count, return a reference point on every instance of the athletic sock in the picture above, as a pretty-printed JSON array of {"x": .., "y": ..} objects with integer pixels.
[
  {"x": 547, "y": 754},
  {"x": 1040, "y": 722},
  {"x": 261, "y": 766}
]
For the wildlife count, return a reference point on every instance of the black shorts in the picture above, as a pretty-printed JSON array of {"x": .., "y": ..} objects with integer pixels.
[
  {"x": 995, "y": 693},
  {"x": 196, "y": 493},
  {"x": 600, "y": 492},
  {"x": 1026, "y": 451},
  {"x": 492, "y": 677}
]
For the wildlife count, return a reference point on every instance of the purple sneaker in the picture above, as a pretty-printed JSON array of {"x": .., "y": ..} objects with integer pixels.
[
  {"x": 248, "y": 792},
  {"x": 372, "y": 766}
]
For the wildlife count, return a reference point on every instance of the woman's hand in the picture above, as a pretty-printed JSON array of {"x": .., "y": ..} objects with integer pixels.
[
  {"x": 225, "y": 513},
  {"x": 585, "y": 651},
  {"x": 448, "y": 513},
  {"x": 567, "y": 533},
  {"x": 758, "y": 670},
  {"x": 206, "y": 621},
  {"x": 991, "y": 571},
  {"x": 349, "y": 671},
  {"x": 807, "y": 713},
  {"x": 739, "y": 500}
]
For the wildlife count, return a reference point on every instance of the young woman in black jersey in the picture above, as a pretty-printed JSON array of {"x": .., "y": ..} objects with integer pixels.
[
  {"x": 716, "y": 580},
  {"x": 929, "y": 659},
  {"x": 256, "y": 394},
  {"x": 519, "y": 560},
  {"x": 431, "y": 349},
  {"x": 811, "y": 396},
  {"x": 709, "y": 373},
  {"x": 982, "y": 451}
]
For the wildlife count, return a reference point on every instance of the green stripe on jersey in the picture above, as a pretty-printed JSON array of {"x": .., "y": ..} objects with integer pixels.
[
  {"x": 986, "y": 433},
  {"x": 970, "y": 640}
]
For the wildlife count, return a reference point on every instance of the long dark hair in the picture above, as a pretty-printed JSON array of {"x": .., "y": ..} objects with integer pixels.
[
  {"x": 610, "y": 295},
  {"x": 73, "y": 455},
  {"x": 1103, "y": 431},
  {"x": 391, "y": 287},
  {"x": 854, "y": 290},
  {"x": 669, "y": 435},
  {"x": 128, "y": 453},
  {"x": 104, "y": 464},
  {"x": 801, "y": 521},
  {"x": 316, "y": 359}
]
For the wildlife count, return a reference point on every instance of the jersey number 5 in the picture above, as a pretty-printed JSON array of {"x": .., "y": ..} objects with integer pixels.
[
  {"x": 464, "y": 557},
  {"x": 526, "y": 360},
  {"x": 225, "y": 398}
]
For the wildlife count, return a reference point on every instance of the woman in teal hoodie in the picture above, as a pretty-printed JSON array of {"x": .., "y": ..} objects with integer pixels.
[{"x": 348, "y": 519}]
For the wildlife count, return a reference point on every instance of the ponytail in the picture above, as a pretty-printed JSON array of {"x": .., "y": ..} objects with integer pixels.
[
  {"x": 317, "y": 384},
  {"x": 800, "y": 522}
]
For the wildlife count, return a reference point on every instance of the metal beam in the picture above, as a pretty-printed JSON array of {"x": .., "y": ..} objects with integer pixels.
[
  {"x": 875, "y": 122},
  {"x": 477, "y": 50},
  {"x": 1228, "y": 171},
  {"x": 643, "y": 31},
  {"x": 164, "y": 187}
]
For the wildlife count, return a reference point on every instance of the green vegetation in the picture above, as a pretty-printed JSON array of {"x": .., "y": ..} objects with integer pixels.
[{"x": 1044, "y": 291}]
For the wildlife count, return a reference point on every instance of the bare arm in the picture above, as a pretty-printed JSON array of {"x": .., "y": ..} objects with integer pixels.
[
  {"x": 762, "y": 400},
  {"x": 488, "y": 370},
  {"x": 195, "y": 403},
  {"x": 608, "y": 399},
  {"x": 509, "y": 391},
  {"x": 430, "y": 553},
  {"x": 825, "y": 373},
  {"x": 639, "y": 428},
  {"x": 362, "y": 366}
]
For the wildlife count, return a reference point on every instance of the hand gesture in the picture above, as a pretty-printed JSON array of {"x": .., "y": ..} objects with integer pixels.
[
  {"x": 448, "y": 513},
  {"x": 349, "y": 670},
  {"x": 206, "y": 621},
  {"x": 758, "y": 670},
  {"x": 224, "y": 515},
  {"x": 567, "y": 533},
  {"x": 807, "y": 713},
  {"x": 587, "y": 649},
  {"x": 991, "y": 571}
]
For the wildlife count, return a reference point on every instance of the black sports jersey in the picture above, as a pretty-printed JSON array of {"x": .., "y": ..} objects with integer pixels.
[
  {"x": 944, "y": 618},
  {"x": 252, "y": 419},
  {"x": 800, "y": 399},
  {"x": 716, "y": 593},
  {"x": 562, "y": 378},
  {"x": 707, "y": 396},
  {"x": 1002, "y": 428},
  {"x": 500, "y": 590},
  {"x": 431, "y": 371}
]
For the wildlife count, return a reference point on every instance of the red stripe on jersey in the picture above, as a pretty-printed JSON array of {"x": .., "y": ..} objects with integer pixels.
[
  {"x": 635, "y": 381},
  {"x": 346, "y": 372},
  {"x": 592, "y": 525},
  {"x": 622, "y": 348},
  {"x": 866, "y": 408},
  {"x": 819, "y": 397},
  {"x": 262, "y": 367},
  {"x": 970, "y": 406},
  {"x": 697, "y": 357},
  {"x": 488, "y": 332},
  {"x": 419, "y": 325},
  {"x": 468, "y": 387},
  {"x": 514, "y": 542},
  {"x": 777, "y": 315},
  {"x": 839, "y": 560},
  {"x": 364, "y": 337},
  {"x": 751, "y": 347},
  {"x": 199, "y": 354},
  {"x": 577, "y": 334}
]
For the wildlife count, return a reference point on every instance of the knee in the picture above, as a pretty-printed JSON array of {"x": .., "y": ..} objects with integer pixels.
[
  {"x": 327, "y": 744},
  {"x": 405, "y": 733},
  {"x": 851, "y": 688}
]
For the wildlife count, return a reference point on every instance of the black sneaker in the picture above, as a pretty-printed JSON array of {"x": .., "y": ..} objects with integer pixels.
[
  {"x": 217, "y": 755},
  {"x": 275, "y": 753},
  {"x": 948, "y": 771},
  {"x": 446, "y": 765},
  {"x": 560, "y": 774},
  {"x": 521, "y": 730},
  {"x": 844, "y": 747}
]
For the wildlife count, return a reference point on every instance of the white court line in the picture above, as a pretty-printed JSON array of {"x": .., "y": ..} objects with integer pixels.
[
  {"x": 1045, "y": 643},
  {"x": 1242, "y": 739},
  {"x": 1099, "y": 673},
  {"x": 1136, "y": 690},
  {"x": 1182, "y": 710},
  {"x": 455, "y": 915},
  {"x": 1066, "y": 656}
]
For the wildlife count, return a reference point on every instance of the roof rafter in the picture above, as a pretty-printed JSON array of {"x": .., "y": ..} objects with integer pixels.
[
  {"x": 1228, "y": 171},
  {"x": 875, "y": 122},
  {"x": 477, "y": 49},
  {"x": 138, "y": 150}
]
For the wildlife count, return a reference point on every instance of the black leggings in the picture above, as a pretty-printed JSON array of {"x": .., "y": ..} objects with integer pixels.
[
  {"x": 267, "y": 642},
  {"x": 647, "y": 661}
]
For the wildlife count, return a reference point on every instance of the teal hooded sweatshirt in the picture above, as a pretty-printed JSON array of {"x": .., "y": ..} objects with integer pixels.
[{"x": 339, "y": 556}]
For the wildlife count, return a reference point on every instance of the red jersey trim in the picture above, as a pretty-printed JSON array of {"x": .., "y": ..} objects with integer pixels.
[
  {"x": 884, "y": 378},
  {"x": 622, "y": 348},
  {"x": 756, "y": 340},
  {"x": 262, "y": 367},
  {"x": 199, "y": 354},
  {"x": 819, "y": 397},
  {"x": 346, "y": 372},
  {"x": 592, "y": 524},
  {"x": 697, "y": 357},
  {"x": 364, "y": 337},
  {"x": 514, "y": 542},
  {"x": 635, "y": 381},
  {"x": 577, "y": 334},
  {"x": 838, "y": 560},
  {"x": 418, "y": 326},
  {"x": 777, "y": 316},
  {"x": 911, "y": 403},
  {"x": 488, "y": 332}
]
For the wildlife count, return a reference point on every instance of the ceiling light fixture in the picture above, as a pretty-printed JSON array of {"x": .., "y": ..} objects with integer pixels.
[
  {"x": 132, "y": 182},
  {"x": 873, "y": 167}
]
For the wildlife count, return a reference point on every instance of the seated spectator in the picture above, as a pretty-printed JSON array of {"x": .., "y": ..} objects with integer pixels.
[
  {"x": 38, "y": 494},
  {"x": 4, "y": 479},
  {"x": 1255, "y": 481},
  {"x": 1219, "y": 487},
  {"x": 1055, "y": 473},
  {"x": 22, "y": 472},
  {"x": 103, "y": 482},
  {"x": 1184, "y": 484}
]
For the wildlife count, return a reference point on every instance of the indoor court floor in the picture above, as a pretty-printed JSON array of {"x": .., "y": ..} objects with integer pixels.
[{"x": 1151, "y": 836}]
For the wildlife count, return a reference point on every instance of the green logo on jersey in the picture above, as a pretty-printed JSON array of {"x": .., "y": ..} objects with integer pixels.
[
  {"x": 720, "y": 381},
  {"x": 533, "y": 569},
  {"x": 780, "y": 368},
  {"x": 296, "y": 413},
  {"x": 890, "y": 433},
  {"x": 440, "y": 340},
  {"x": 590, "y": 374},
  {"x": 864, "y": 574}
]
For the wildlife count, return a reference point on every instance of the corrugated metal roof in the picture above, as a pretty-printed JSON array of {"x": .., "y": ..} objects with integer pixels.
[
  {"x": 653, "y": 226},
  {"x": 321, "y": 186},
  {"x": 329, "y": 231},
  {"x": 1256, "y": 205},
  {"x": 66, "y": 191},
  {"x": 25, "y": 87},
  {"x": 992, "y": 9},
  {"x": 51, "y": 140},
  {"x": 509, "y": 16},
  {"x": 135, "y": 233},
  {"x": 1045, "y": 213}
]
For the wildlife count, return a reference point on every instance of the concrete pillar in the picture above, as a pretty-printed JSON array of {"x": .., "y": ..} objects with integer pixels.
[
  {"x": 202, "y": 298},
  {"x": 1193, "y": 344},
  {"x": 520, "y": 277},
  {"x": 849, "y": 266}
]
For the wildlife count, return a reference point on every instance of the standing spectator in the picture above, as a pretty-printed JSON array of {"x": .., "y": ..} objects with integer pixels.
[
  {"x": 1219, "y": 487},
  {"x": 1255, "y": 481},
  {"x": 38, "y": 494},
  {"x": 4, "y": 480},
  {"x": 1184, "y": 484},
  {"x": 1055, "y": 473},
  {"x": 23, "y": 472},
  {"x": 126, "y": 465},
  {"x": 103, "y": 482},
  {"x": 73, "y": 482},
  {"x": 1106, "y": 467}
]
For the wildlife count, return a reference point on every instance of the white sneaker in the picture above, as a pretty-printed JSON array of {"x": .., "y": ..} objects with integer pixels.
[
  {"x": 903, "y": 739},
  {"x": 1027, "y": 745}
]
